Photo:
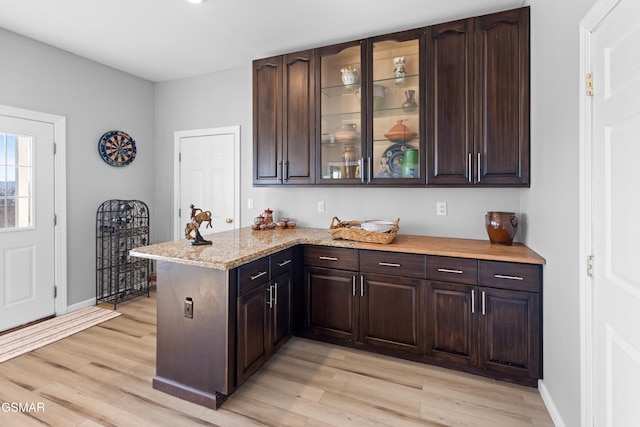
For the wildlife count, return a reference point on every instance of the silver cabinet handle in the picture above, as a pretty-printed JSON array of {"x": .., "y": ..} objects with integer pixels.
[
  {"x": 478, "y": 171},
  {"x": 283, "y": 263},
  {"x": 328, "y": 258},
  {"x": 285, "y": 175},
  {"x": 473, "y": 301},
  {"x": 446, "y": 270},
  {"x": 262, "y": 273},
  {"x": 369, "y": 169},
  {"x": 361, "y": 286},
  {"x": 469, "y": 167},
  {"x": 270, "y": 300},
  {"x": 281, "y": 172},
  {"x": 275, "y": 293},
  {"x": 484, "y": 303},
  {"x": 353, "y": 287},
  {"x": 362, "y": 169},
  {"x": 503, "y": 276},
  {"x": 389, "y": 264}
]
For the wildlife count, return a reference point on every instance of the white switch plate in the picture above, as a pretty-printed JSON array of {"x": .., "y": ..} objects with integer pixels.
[
  {"x": 441, "y": 208},
  {"x": 320, "y": 206},
  {"x": 250, "y": 204}
]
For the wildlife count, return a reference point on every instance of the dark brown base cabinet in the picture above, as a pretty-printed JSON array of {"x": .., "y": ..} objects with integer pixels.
[
  {"x": 482, "y": 317},
  {"x": 216, "y": 328}
]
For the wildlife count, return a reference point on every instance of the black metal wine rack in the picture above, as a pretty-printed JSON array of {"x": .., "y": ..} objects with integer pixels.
[{"x": 121, "y": 225}]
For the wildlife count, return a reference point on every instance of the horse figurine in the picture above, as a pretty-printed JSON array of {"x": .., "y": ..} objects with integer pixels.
[{"x": 198, "y": 216}]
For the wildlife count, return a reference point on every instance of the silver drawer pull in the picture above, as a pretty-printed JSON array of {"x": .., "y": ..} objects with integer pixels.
[
  {"x": 328, "y": 258},
  {"x": 446, "y": 270},
  {"x": 262, "y": 273},
  {"x": 389, "y": 264},
  {"x": 502, "y": 276},
  {"x": 283, "y": 263}
]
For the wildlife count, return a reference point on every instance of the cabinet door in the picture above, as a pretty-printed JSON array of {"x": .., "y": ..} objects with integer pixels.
[
  {"x": 280, "y": 310},
  {"x": 330, "y": 303},
  {"x": 391, "y": 312},
  {"x": 395, "y": 147},
  {"x": 502, "y": 98},
  {"x": 450, "y": 111},
  {"x": 252, "y": 339},
  {"x": 267, "y": 120},
  {"x": 509, "y": 332},
  {"x": 298, "y": 136},
  {"x": 452, "y": 322},
  {"x": 340, "y": 96}
]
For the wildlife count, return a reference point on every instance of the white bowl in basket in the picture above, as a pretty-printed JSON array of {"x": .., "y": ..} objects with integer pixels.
[{"x": 381, "y": 226}]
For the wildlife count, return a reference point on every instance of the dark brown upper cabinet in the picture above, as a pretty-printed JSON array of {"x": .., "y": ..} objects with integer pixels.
[
  {"x": 284, "y": 119},
  {"x": 478, "y": 101},
  {"x": 445, "y": 105}
]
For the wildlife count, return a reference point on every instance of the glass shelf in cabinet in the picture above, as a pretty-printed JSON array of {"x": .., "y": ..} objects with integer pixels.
[
  {"x": 339, "y": 90},
  {"x": 408, "y": 80},
  {"x": 394, "y": 112}
]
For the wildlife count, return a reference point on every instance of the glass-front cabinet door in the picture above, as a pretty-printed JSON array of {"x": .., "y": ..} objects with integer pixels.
[
  {"x": 341, "y": 120},
  {"x": 395, "y": 152}
]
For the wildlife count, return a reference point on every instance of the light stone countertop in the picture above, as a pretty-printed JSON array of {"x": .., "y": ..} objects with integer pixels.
[{"x": 231, "y": 249}]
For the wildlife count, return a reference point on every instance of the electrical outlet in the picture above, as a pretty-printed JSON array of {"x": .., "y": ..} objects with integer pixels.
[
  {"x": 250, "y": 204},
  {"x": 441, "y": 208},
  {"x": 320, "y": 206},
  {"x": 188, "y": 308}
]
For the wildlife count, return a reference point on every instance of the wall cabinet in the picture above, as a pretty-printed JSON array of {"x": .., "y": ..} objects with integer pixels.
[
  {"x": 485, "y": 314},
  {"x": 263, "y": 311},
  {"x": 284, "y": 119},
  {"x": 478, "y": 113},
  {"x": 441, "y": 105}
]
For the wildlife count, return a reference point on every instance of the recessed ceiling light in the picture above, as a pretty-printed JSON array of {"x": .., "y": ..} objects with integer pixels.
[{"x": 195, "y": 1}]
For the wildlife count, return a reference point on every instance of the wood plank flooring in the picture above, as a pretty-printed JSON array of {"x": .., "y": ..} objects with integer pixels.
[{"x": 102, "y": 377}]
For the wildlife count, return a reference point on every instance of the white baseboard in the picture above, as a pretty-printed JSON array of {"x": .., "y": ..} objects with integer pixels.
[
  {"x": 82, "y": 304},
  {"x": 551, "y": 407}
]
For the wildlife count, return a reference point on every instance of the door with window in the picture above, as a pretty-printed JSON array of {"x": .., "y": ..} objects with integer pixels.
[{"x": 27, "y": 241}]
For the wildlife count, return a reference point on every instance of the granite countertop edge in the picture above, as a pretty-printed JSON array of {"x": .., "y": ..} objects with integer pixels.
[{"x": 232, "y": 249}]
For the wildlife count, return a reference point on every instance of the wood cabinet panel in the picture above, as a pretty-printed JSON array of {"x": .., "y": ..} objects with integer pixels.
[
  {"x": 252, "y": 344},
  {"x": 510, "y": 275},
  {"x": 392, "y": 263},
  {"x": 448, "y": 269},
  {"x": 267, "y": 120},
  {"x": 330, "y": 302},
  {"x": 510, "y": 327},
  {"x": 502, "y": 97},
  {"x": 391, "y": 312},
  {"x": 338, "y": 258}
]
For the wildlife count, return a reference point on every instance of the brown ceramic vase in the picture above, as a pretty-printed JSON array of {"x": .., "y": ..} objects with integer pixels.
[{"x": 501, "y": 227}]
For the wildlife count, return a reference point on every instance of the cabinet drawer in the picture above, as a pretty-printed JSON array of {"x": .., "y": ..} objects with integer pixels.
[
  {"x": 253, "y": 274},
  {"x": 457, "y": 270},
  {"x": 393, "y": 263},
  {"x": 510, "y": 275},
  {"x": 281, "y": 262},
  {"x": 329, "y": 257}
]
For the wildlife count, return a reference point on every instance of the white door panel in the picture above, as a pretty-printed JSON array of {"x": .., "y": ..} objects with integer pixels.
[
  {"x": 208, "y": 177},
  {"x": 26, "y": 221},
  {"x": 616, "y": 229}
]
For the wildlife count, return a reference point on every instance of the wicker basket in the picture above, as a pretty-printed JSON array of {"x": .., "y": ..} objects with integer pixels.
[{"x": 347, "y": 230}]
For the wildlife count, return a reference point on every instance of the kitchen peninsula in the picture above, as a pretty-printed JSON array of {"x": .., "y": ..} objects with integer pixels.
[{"x": 224, "y": 309}]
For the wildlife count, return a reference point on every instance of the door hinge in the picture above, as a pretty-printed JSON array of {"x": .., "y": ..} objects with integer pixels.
[
  {"x": 55, "y": 220},
  {"x": 55, "y": 291},
  {"x": 179, "y": 212},
  {"x": 54, "y": 148},
  {"x": 589, "y": 85},
  {"x": 180, "y": 157},
  {"x": 590, "y": 265}
]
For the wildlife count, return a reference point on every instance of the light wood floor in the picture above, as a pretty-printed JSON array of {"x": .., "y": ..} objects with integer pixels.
[{"x": 102, "y": 376}]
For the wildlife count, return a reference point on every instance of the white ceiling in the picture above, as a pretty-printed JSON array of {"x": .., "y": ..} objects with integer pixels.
[{"x": 161, "y": 40}]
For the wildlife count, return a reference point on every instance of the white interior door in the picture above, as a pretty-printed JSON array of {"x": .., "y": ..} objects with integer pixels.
[
  {"x": 27, "y": 231},
  {"x": 616, "y": 206},
  {"x": 208, "y": 177}
]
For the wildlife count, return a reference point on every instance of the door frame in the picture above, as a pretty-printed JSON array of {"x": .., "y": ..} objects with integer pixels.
[
  {"x": 588, "y": 25},
  {"x": 178, "y": 225},
  {"x": 60, "y": 197}
]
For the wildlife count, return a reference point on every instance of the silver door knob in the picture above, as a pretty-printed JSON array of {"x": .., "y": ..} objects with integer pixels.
[{"x": 229, "y": 220}]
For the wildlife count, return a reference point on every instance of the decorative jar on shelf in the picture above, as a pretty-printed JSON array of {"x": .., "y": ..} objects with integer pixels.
[
  {"x": 410, "y": 104},
  {"x": 350, "y": 162},
  {"x": 349, "y": 76},
  {"x": 399, "y": 72}
]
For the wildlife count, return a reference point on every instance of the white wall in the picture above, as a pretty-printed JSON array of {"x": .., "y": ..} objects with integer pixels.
[
  {"x": 552, "y": 202},
  {"x": 94, "y": 99}
]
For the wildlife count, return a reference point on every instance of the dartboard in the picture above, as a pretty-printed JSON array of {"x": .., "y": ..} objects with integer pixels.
[{"x": 117, "y": 148}]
